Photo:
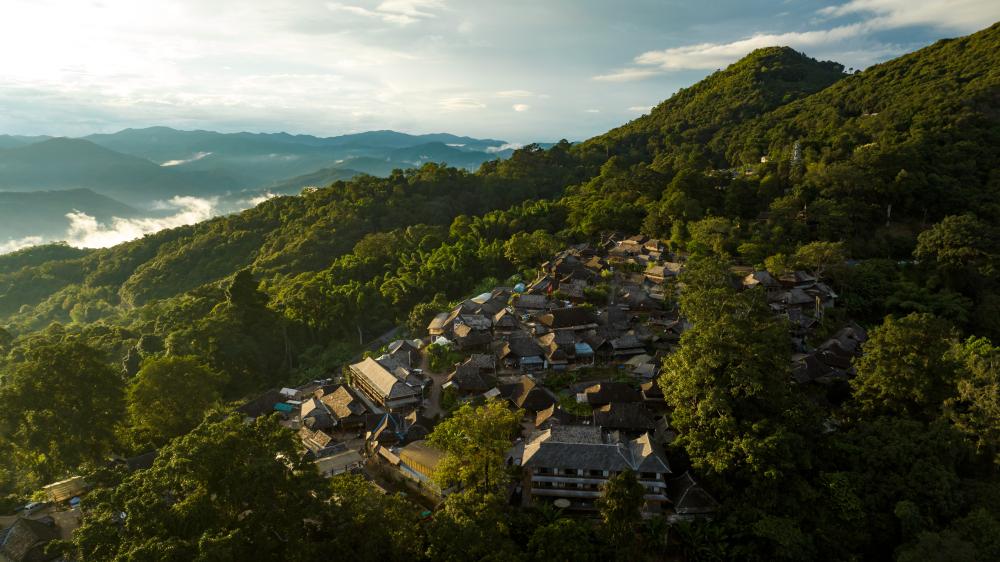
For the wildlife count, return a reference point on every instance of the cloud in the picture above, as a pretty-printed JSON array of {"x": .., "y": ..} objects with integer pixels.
[
  {"x": 716, "y": 55},
  {"x": 195, "y": 158},
  {"x": 461, "y": 104},
  {"x": 503, "y": 147},
  {"x": 626, "y": 75},
  {"x": 641, "y": 108},
  {"x": 954, "y": 15},
  {"x": 399, "y": 12},
  {"x": 254, "y": 201},
  {"x": 86, "y": 232},
  {"x": 515, "y": 94},
  {"x": 519, "y": 107},
  {"x": 873, "y": 16},
  {"x": 14, "y": 245},
  {"x": 591, "y": 110}
]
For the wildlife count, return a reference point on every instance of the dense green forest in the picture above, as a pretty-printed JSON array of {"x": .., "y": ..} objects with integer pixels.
[{"x": 886, "y": 180}]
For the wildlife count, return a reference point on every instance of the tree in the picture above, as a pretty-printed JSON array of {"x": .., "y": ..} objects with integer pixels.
[
  {"x": 228, "y": 490},
  {"x": 169, "y": 396},
  {"x": 564, "y": 540},
  {"x": 366, "y": 525},
  {"x": 906, "y": 368},
  {"x": 471, "y": 526},
  {"x": 975, "y": 408},
  {"x": 59, "y": 407},
  {"x": 476, "y": 440},
  {"x": 960, "y": 243},
  {"x": 817, "y": 257},
  {"x": 529, "y": 250},
  {"x": 620, "y": 505},
  {"x": 729, "y": 384}
]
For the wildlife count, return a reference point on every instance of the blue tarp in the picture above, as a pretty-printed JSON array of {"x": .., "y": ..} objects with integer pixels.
[
  {"x": 283, "y": 407},
  {"x": 584, "y": 348}
]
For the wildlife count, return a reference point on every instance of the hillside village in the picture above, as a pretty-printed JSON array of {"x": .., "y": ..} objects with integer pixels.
[{"x": 577, "y": 351}]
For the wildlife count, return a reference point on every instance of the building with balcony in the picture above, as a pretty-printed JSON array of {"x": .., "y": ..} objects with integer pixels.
[{"x": 572, "y": 463}]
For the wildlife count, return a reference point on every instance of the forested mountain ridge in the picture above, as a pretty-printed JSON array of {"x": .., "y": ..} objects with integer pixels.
[{"x": 778, "y": 161}]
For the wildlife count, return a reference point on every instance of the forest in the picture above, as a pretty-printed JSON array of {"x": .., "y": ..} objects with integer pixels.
[{"x": 886, "y": 180}]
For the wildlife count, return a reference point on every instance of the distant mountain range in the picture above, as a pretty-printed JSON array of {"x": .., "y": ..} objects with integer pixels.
[{"x": 124, "y": 174}]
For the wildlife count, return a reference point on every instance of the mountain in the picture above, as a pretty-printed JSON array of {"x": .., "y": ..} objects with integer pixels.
[
  {"x": 256, "y": 159},
  {"x": 43, "y": 213},
  {"x": 11, "y": 141},
  {"x": 63, "y": 163},
  {"x": 695, "y": 156},
  {"x": 319, "y": 178}
]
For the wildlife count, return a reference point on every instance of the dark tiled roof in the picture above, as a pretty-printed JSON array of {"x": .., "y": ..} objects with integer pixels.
[
  {"x": 631, "y": 416},
  {"x": 344, "y": 404},
  {"x": 25, "y": 539},
  {"x": 688, "y": 497},
  {"x": 567, "y": 317},
  {"x": 527, "y": 394},
  {"x": 585, "y": 448},
  {"x": 608, "y": 392}
]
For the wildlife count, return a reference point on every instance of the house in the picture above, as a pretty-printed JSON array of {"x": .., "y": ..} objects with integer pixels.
[
  {"x": 25, "y": 540},
  {"x": 651, "y": 392},
  {"x": 690, "y": 501},
  {"x": 344, "y": 461},
  {"x": 392, "y": 389},
  {"x": 65, "y": 489},
  {"x": 405, "y": 352},
  {"x": 559, "y": 348},
  {"x": 574, "y": 318},
  {"x": 316, "y": 415},
  {"x": 761, "y": 279},
  {"x": 628, "y": 417},
  {"x": 626, "y": 345},
  {"x": 467, "y": 336},
  {"x": 572, "y": 463},
  {"x": 604, "y": 393},
  {"x": 528, "y": 395},
  {"x": 262, "y": 405},
  {"x": 505, "y": 322},
  {"x": 555, "y": 415},
  {"x": 439, "y": 325},
  {"x": 521, "y": 352},
  {"x": 418, "y": 461},
  {"x": 474, "y": 376},
  {"x": 319, "y": 444},
  {"x": 346, "y": 407},
  {"x": 531, "y": 304},
  {"x": 388, "y": 430}
]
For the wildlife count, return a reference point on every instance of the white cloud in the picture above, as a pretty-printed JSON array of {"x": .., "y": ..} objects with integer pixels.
[
  {"x": 14, "y": 245},
  {"x": 254, "y": 201},
  {"x": 502, "y": 147},
  {"x": 86, "y": 232},
  {"x": 954, "y": 15},
  {"x": 626, "y": 75},
  {"x": 195, "y": 158},
  {"x": 515, "y": 94},
  {"x": 875, "y": 16},
  {"x": 519, "y": 107},
  {"x": 399, "y": 12},
  {"x": 591, "y": 110},
  {"x": 461, "y": 104},
  {"x": 717, "y": 55},
  {"x": 640, "y": 108}
]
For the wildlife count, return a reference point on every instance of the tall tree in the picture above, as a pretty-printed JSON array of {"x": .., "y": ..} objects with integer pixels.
[
  {"x": 59, "y": 407},
  {"x": 170, "y": 395},
  {"x": 729, "y": 384},
  {"x": 620, "y": 505},
  {"x": 226, "y": 491},
  {"x": 906, "y": 367},
  {"x": 476, "y": 440}
]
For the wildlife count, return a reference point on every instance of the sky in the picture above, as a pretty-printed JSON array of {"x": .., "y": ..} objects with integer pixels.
[{"x": 515, "y": 70}]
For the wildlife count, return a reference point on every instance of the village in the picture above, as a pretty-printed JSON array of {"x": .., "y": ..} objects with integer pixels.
[{"x": 578, "y": 351}]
